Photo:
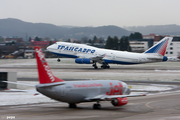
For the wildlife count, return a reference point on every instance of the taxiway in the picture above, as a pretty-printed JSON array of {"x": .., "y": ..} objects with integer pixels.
[
  {"x": 153, "y": 107},
  {"x": 161, "y": 106}
]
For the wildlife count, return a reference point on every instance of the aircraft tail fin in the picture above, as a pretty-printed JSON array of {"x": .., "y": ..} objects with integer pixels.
[
  {"x": 160, "y": 47},
  {"x": 44, "y": 72}
]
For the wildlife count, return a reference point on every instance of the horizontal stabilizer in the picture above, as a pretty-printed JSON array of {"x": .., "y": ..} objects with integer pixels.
[
  {"x": 19, "y": 83},
  {"x": 50, "y": 84}
]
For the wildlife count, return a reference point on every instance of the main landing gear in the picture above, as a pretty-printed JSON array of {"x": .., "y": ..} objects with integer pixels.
[
  {"x": 105, "y": 66},
  {"x": 95, "y": 66},
  {"x": 58, "y": 60},
  {"x": 72, "y": 105},
  {"x": 97, "y": 105}
]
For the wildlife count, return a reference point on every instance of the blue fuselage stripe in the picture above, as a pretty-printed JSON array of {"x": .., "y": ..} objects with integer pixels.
[
  {"x": 65, "y": 55},
  {"x": 105, "y": 60},
  {"x": 117, "y": 62}
]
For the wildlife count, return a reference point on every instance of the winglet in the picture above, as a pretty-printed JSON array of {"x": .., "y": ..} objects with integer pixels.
[
  {"x": 45, "y": 74},
  {"x": 160, "y": 47},
  {"x": 103, "y": 55}
]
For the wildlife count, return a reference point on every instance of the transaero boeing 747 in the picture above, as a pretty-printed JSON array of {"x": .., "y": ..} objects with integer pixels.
[{"x": 85, "y": 54}]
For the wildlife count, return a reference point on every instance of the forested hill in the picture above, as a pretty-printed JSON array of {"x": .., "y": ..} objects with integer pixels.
[
  {"x": 14, "y": 27},
  {"x": 156, "y": 29}
]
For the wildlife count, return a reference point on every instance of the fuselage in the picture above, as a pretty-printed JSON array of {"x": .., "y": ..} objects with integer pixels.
[
  {"x": 80, "y": 91},
  {"x": 73, "y": 50}
]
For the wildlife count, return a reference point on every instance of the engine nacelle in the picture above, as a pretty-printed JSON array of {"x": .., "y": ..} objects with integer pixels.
[
  {"x": 119, "y": 101},
  {"x": 165, "y": 58},
  {"x": 83, "y": 61}
]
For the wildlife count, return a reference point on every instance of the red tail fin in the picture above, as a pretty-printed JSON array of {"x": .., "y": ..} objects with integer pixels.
[{"x": 45, "y": 74}]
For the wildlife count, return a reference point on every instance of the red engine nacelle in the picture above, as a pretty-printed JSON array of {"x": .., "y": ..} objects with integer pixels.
[{"x": 119, "y": 101}]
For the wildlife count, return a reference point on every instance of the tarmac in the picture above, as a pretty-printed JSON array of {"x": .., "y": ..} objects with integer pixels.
[
  {"x": 160, "y": 106},
  {"x": 153, "y": 107}
]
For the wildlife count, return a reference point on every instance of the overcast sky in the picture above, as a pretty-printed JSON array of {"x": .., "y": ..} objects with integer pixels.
[{"x": 93, "y": 12}]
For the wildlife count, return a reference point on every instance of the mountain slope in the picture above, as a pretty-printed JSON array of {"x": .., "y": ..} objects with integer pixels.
[
  {"x": 15, "y": 27},
  {"x": 157, "y": 29}
]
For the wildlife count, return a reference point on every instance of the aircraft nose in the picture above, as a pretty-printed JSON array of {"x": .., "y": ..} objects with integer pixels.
[
  {"x": 49, "y": 48},
  {"x": 128, "y": 91}
]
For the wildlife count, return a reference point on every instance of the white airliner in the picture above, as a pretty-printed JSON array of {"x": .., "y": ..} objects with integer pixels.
[
  {"x": 85, "y": 54},
  {"x": 74, "y": 92}
]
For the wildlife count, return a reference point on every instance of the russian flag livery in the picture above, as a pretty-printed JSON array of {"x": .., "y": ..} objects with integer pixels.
[
  {"x": 160, "y": 47},
  {"x": 85, "y": 54},
  {"x": 163, "y": 47}
]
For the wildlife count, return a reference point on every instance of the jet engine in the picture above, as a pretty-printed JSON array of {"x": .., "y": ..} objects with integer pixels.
[
  {"x": 119, "y": 101},
  {"x": 83, "y": 61},
  {"x": 165, "y": 58}
]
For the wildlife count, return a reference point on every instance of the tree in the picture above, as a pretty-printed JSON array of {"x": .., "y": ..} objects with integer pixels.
[
  {"x": 29, "y": 39},
  {"x": 135, "y": 35},
  {"x": 84, "y": 40},
  {"x": 128, "y": 47},
  {"x": 50, "y": 43},
  {"x": 1, "y": 39},
  {"x": 115, "y": 43},
  {"x": 37, "y": 38},
  {"x": 124, "y": 44},
  {"x": 109, "y": 43},
  {"x": 101, "y": 40},
  {"x": 0, "y": 52},
  {"x": 90, "y": 41},
  {"x": 68, "y": 40},
  {"x": 94, "y": 40}
]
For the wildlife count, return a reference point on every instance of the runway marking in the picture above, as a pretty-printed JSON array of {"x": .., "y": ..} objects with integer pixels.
[
  {"x": 132, "y": 103},
  {"x": 46, "y": 113},
  {"x": 147, "y": 104}
]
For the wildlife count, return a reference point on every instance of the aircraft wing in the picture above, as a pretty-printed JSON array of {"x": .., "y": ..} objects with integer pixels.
[
  {"x": 155, "y": 58},
  {"x": 110, "y": 97},
  {"x": 98, "y": 58}
]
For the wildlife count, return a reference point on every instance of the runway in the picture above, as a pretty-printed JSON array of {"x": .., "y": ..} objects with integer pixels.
[
  {"x": 67, "y": 68},
  {"x": 162, "y": 106},
  {"x": 153, "y": 107}
]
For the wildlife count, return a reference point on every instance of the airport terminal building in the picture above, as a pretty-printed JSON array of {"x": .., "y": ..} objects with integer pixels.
[
  {"x": 141, "y": 45},
  {"x": 174, "y": 48}
]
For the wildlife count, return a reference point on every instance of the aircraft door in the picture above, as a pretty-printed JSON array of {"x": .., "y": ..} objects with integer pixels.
[
  {"x": 59, "y": 48},
  {"x": 98, "y": 90},
  {"x": 75, "y": 51},
  {"x": 113, "y": 56},
  {"x": 62, "y": 90}
]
